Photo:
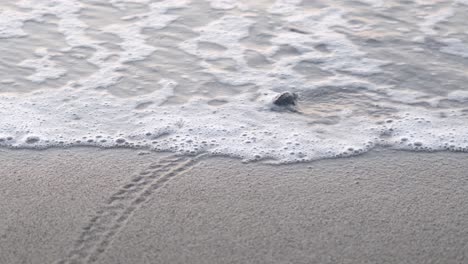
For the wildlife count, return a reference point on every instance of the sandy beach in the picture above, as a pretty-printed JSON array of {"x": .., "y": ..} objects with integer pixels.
[
  {"x": 88, "y": 205},
  {"x": 145, "y": 131}
]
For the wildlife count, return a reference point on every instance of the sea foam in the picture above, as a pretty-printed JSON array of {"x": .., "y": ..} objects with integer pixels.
[{"x": 201, "y": 77}]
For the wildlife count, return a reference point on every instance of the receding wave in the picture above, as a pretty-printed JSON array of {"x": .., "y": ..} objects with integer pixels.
[{"x": 283, "y": 81}]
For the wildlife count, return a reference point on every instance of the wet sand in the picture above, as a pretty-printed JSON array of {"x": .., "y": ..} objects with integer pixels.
[{"x": 85, "y": 205}]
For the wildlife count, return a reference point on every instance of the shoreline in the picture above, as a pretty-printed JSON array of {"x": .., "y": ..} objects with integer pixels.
[
  {"x": 113, "y": 205},
  {"x": 263, "y": 161}
]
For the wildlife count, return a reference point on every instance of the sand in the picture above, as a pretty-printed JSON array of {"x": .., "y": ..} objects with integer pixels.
[{"x": 87, "y": 205}]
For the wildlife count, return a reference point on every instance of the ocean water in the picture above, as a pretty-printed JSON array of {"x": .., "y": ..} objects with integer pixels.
[{"x": 201, "y": 76}]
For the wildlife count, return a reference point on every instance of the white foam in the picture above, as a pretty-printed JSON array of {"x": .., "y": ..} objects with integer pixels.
[
  {"x": 44, "y": 67},
  {"x": 12, "y": 23},
  {"x": 122, "y": 4},
  {"x": 241, "y": 129},
  {"x": 460, "y": 95},
  {"x": 223, "y": 4},
  {"x": 284, "y": 6},
  {"x": 251, "y": 55}
]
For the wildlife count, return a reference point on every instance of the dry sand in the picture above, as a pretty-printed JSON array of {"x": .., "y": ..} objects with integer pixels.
[{"x": 85, "y": 205}]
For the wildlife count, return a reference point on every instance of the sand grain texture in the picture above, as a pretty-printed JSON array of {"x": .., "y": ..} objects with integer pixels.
[{"x": 77, "y": 205}]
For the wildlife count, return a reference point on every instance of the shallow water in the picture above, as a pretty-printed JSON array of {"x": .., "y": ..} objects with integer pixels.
[{"x": 201, "y": 76}]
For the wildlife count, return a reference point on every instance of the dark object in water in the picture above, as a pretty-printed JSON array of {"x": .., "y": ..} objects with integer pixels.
[
  {"x": 286, "y": 99},
  {"x": 296, "y": 30}
]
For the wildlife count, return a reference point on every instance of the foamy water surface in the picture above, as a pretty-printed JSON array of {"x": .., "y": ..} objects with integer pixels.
[{"x": 200, "y": 76}]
